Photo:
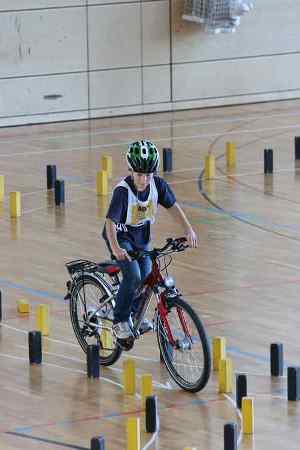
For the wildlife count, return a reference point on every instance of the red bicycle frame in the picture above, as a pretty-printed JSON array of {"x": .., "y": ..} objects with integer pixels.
[{"x": 153, "y": 279}]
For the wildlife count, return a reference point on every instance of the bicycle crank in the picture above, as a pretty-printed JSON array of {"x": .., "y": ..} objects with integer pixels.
[{"x": 126, "y": 344}]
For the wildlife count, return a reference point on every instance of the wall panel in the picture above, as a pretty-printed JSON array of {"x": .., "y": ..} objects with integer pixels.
[
  {"x": 111, "y": 88},
  {"x": 114, "y": 36},
  {"x": 103, "y": 2},
  {"x": 156, "y": 84},
  {"x": 240, "y": 77},
  {"x": 42, "y": 95},
  {"x": 272, "y": 27},
  {"x": 15, "y": 5},
  {"x": 156, "y": 33},
  {"x": 42, "y": 42}
]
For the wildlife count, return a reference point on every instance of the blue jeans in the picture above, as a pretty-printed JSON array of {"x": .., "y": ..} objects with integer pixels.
[{"x": 133, "y": 273}]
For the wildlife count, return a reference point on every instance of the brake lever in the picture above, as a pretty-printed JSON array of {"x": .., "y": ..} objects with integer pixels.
[{"x": 181, "y": 247}]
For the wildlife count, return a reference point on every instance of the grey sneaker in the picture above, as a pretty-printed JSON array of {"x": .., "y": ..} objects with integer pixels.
[
  {"x": 122, "y": 330},
  {"x": 145, "y": 326},
  {"x": 106, "y": 312}
]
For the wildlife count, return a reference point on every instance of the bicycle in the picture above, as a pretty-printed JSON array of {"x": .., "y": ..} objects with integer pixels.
[{"x": 181, "y": 336}]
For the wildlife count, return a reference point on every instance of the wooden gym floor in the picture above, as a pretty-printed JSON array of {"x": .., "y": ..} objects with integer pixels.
[{"x": 243, "y": 279}]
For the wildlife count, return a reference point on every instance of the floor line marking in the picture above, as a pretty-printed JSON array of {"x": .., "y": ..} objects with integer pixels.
[
  {"x": 114, "y": 415},
  {"x": 34, "y": 292},
  {"x": 48, "y": 441},
  {"x": 239, "y": 415},
  {"x": 19, "y": 358},
  {"x": 44, "y": 337},
  {"x": 160, "y": 140},
  {"x": 170, "y": 125},
  {"x": 166, "y": 386}
]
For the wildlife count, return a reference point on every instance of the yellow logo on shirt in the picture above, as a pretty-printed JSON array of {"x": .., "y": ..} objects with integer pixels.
[{"x": 142, "y": 213}]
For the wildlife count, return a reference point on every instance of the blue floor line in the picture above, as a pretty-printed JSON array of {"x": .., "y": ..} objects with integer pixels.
[
  {"x": 258, "y": 358},
  {"x": 47, "y": 441},
  {"x": 34, "y": 292}
]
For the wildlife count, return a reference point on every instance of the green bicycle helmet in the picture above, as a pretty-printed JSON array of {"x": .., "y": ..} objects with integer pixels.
[{"x": 143, "y": 157}]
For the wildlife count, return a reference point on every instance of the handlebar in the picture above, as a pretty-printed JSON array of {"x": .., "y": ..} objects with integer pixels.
[{"x": 173, "y": 245}]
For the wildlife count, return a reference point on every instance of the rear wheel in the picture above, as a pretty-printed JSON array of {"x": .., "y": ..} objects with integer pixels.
[
  {"x": 188, "y": 358},
  {"x": 91, "y": 320}
]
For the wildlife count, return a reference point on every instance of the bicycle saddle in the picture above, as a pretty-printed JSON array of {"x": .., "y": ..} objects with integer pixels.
[{"x": 108, "y": 267}]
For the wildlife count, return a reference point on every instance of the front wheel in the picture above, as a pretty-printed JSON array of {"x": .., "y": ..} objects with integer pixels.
[{"x": 184, "y": 345}]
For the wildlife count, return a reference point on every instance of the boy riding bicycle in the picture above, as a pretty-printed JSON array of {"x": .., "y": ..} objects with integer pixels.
[{"x": 131, "y": 212}]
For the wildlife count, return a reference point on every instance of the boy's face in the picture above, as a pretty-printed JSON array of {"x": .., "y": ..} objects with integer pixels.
[{"x": 141, "y": 180}]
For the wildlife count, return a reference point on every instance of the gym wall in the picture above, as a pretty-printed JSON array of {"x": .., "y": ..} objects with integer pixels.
[{"x": 75, "y": 59}]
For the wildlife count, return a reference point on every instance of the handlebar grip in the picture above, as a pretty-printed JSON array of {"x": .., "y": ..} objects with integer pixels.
[
  {"x": 180, "y": 244},
  {"x": 181, "y": 239}
]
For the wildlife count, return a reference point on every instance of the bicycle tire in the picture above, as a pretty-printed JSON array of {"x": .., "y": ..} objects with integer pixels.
[
  {"x": 84, "y": 282},
  {"x": 167, "y": 350}
]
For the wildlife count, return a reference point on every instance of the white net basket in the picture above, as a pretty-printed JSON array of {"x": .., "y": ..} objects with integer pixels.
[{"x": 217, "y": 16}]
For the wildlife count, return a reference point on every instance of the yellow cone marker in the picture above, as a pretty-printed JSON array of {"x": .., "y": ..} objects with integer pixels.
[
  {"x": 210, "y": 167},
  {"x": 129, "y": 377},
  {"x": 102, "y": 205},
  {"x": 106, "y": 164},
  {"x": 219, "y": 351},
  {"x": 146, "y": 387},
  {"x": 15, "y": 204},
  {"x": 1, "y": 188},
  {"x": 23, "y": 306},
  {"x": 248, "y": 415},
  {"x": 42, "y": 319},
  {"x": 230, "y": 154},
  {"x": 133, "y": 434},
  {"x": 225, "y": 376},
  {"x": 106, "y": 337},
  {"x": 102, "y": 183}
]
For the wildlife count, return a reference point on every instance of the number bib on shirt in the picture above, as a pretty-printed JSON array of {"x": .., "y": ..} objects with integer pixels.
[{"x": 138, "y": 212}]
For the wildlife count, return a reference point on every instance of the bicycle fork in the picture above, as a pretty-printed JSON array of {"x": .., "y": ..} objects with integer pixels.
[{"x": 179, "y": 344}]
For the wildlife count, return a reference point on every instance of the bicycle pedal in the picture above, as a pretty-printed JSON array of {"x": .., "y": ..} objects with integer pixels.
[
  {"x": 145, "y": 329},
  {"x": 126, "y": 344}
]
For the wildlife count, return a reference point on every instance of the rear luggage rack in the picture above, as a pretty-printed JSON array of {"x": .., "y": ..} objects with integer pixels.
[{"x": 81, "y": 265}]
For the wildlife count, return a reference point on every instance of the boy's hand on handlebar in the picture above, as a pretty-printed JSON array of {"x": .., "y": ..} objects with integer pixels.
[
  {"x": 191, "y": 238},
  {"x": 121, "y": 254}
]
